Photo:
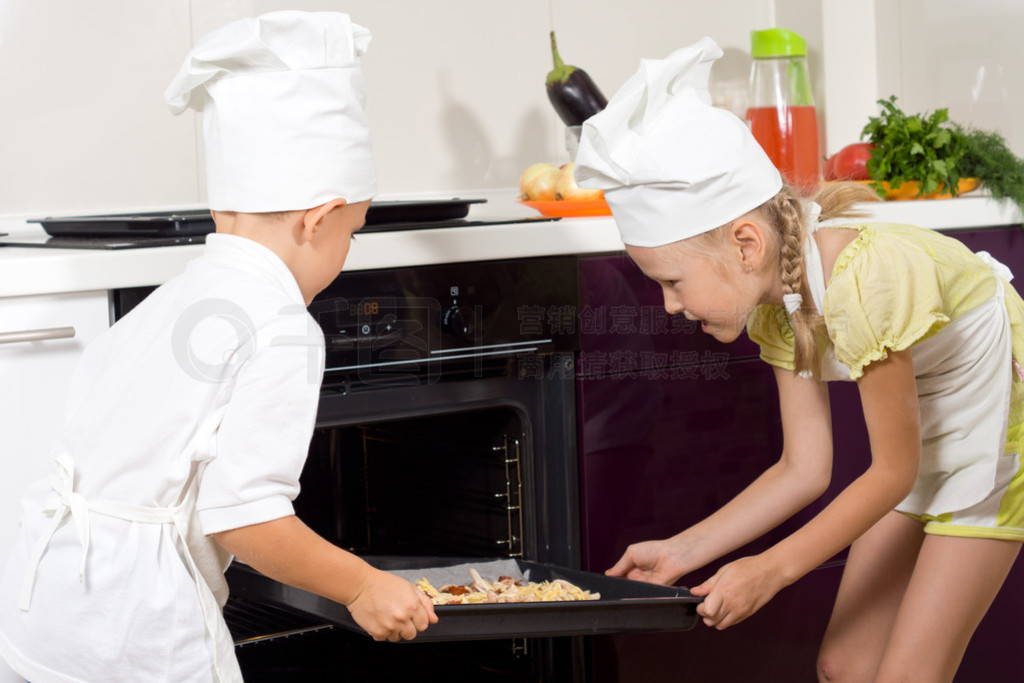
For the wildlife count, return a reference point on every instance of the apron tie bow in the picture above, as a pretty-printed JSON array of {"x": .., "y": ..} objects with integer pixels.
[{"x": 67, "y": 501}]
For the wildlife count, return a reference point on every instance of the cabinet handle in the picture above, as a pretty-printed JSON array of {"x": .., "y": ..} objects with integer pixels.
[{"x": 37, "y": 335}]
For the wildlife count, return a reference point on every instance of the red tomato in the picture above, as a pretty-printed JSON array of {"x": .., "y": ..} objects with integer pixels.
[{"x": 849, "y": 163}]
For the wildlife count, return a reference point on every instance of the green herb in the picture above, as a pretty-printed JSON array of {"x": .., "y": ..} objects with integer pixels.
[
  {"x": 937, "y": 153},
  {"x": 997, "y": 169},
  {"x": 914, "y": 147}
]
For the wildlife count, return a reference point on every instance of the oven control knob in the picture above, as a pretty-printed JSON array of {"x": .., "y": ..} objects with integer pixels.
[{"x": 458, "y": 320}]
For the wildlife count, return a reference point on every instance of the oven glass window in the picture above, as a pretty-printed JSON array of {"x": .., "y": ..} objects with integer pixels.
[{"x": 444, "y": 485}]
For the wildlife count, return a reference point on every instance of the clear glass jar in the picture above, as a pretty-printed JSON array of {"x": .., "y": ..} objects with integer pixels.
[{"x": 781, "y": 109}]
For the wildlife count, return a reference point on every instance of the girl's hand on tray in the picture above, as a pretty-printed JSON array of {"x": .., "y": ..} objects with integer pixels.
[
  {"x": 737, "y": 590},
  {"x": 652, "y": 562},
  {"x": 390, "y": 608}
]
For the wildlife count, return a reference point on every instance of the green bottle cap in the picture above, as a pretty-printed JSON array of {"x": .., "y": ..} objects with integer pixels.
[{"x": 776, "y": 42}]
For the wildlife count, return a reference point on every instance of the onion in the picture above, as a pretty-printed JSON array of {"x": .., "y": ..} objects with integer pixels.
[
  {"x": 567, "y": 189},
  {"x": 537, "y": 183}
]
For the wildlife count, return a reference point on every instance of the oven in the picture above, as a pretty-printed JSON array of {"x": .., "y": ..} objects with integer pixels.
[{"x": 446, "y": 429}]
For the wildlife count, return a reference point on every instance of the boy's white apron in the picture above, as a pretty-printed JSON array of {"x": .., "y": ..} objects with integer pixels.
[
  {"x": 204, "y": 559},
  {"x": 57, "y": 517},
  {"x": 963, "y": 376}
]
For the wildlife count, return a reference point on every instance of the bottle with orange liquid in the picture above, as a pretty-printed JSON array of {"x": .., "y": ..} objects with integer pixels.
[{"x": 781, "y": 106}]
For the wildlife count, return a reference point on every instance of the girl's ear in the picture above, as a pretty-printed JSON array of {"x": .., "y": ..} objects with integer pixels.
[
  {"x": 313, "y": 218},
  {"x": 748, "y": 242}
]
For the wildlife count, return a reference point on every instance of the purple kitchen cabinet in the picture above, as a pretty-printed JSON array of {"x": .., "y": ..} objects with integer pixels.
[
  {"x": 673, "y": 424},
  {"x": 1005, "y": 244}
]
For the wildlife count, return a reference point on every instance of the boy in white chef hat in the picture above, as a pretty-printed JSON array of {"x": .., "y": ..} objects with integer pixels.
[
  {"x": 190, "y": 420},
  {"x": 928, "y": 329}
]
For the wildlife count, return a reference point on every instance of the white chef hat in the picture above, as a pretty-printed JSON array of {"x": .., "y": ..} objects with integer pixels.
[
  {"x": 671, "y": 165},
  {"x": 282, "y": 100}
]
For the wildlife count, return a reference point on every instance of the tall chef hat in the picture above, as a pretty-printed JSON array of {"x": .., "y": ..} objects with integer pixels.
[
  {"x": 671, "y": 165},
  {"x": 282, "y": 100}
]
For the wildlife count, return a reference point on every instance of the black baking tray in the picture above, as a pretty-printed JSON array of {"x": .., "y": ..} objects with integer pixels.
[
  {"x": 417, "y": 211},
  {"x": 200, "y": 221},
  {"x": 156, "y": 224},
  {"x": 625, "y": 606}
]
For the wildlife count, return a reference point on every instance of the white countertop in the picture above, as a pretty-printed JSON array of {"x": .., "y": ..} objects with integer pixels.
[{"x": 28, "y": 270}]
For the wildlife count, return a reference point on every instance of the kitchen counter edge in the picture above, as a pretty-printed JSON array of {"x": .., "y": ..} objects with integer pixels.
[{"x": 26, "y": 271}]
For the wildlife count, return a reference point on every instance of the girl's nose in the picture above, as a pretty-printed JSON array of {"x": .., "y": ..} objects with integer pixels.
[{"x": 673, "y": 305}]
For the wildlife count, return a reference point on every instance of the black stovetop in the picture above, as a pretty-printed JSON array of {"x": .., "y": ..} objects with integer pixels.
[
  {"x": 99, "y": 241},
  {"x": 168, "y": 229}
]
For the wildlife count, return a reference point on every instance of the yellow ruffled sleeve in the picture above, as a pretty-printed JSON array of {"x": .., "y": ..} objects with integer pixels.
[
  {"x": 769, "y": 328},
  {"x": 882, "y": 299}
]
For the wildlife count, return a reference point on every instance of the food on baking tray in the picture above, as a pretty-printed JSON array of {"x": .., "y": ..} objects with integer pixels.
[{"x": 505, "y": 589}]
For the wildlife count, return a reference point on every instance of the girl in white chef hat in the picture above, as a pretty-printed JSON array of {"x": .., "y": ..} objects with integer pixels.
[
  {"x": 927, "y": 329},
  {"x": 189, "y": 421}
]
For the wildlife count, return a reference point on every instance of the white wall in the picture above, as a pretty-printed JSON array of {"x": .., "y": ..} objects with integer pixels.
[
  {"x": 82, "y": 123},
  {"x": 456, "y": 87},
  {"x": 967, "y": 57},
  {"x": 457, "y": 100}
]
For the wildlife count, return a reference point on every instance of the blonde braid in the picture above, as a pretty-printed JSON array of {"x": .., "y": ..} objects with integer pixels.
[{"x": 785, "y": 212}]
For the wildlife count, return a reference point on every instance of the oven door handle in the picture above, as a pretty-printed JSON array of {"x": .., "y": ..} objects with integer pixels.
[{"x": 42, "y": 334}]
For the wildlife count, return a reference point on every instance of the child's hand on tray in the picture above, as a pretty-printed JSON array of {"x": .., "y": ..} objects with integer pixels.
[
  {"x": 737, "y": 590},
  {"x": 658, "y": 562},
  {"x": 390, "y": 608}
]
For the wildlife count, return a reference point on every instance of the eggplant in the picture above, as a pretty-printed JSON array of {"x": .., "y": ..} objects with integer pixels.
[{"x": 572, "y": 91}]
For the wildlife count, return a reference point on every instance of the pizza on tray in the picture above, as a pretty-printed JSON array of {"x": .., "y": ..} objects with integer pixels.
[{"x": 505, "y": 589}]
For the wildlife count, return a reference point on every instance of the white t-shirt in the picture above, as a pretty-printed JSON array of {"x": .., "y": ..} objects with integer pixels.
[{"x": 221, "y": 366}]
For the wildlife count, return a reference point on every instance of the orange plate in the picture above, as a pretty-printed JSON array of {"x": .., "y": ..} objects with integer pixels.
[
  {"x": 908, "y": 190},
  {"x": 567, "y": 208}
]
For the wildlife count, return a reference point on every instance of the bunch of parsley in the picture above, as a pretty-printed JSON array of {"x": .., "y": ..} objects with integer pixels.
[
  {"x": 914, "y": 147},
  {"x": 937, "y": 153}
]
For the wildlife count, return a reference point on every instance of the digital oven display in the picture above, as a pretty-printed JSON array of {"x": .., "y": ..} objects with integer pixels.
[
  {"x": 379, "y": 331},
  {"x": 358, "y": 318}
]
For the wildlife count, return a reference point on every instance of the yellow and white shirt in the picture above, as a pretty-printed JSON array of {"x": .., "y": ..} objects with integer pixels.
[{"x": 898, "y": 287}]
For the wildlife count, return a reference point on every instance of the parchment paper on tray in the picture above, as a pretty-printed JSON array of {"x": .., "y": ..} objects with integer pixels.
[{"x": 458, "y": 574}]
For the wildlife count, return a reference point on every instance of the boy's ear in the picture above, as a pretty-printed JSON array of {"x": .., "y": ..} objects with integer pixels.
[{"x": 312, "y": 218}]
